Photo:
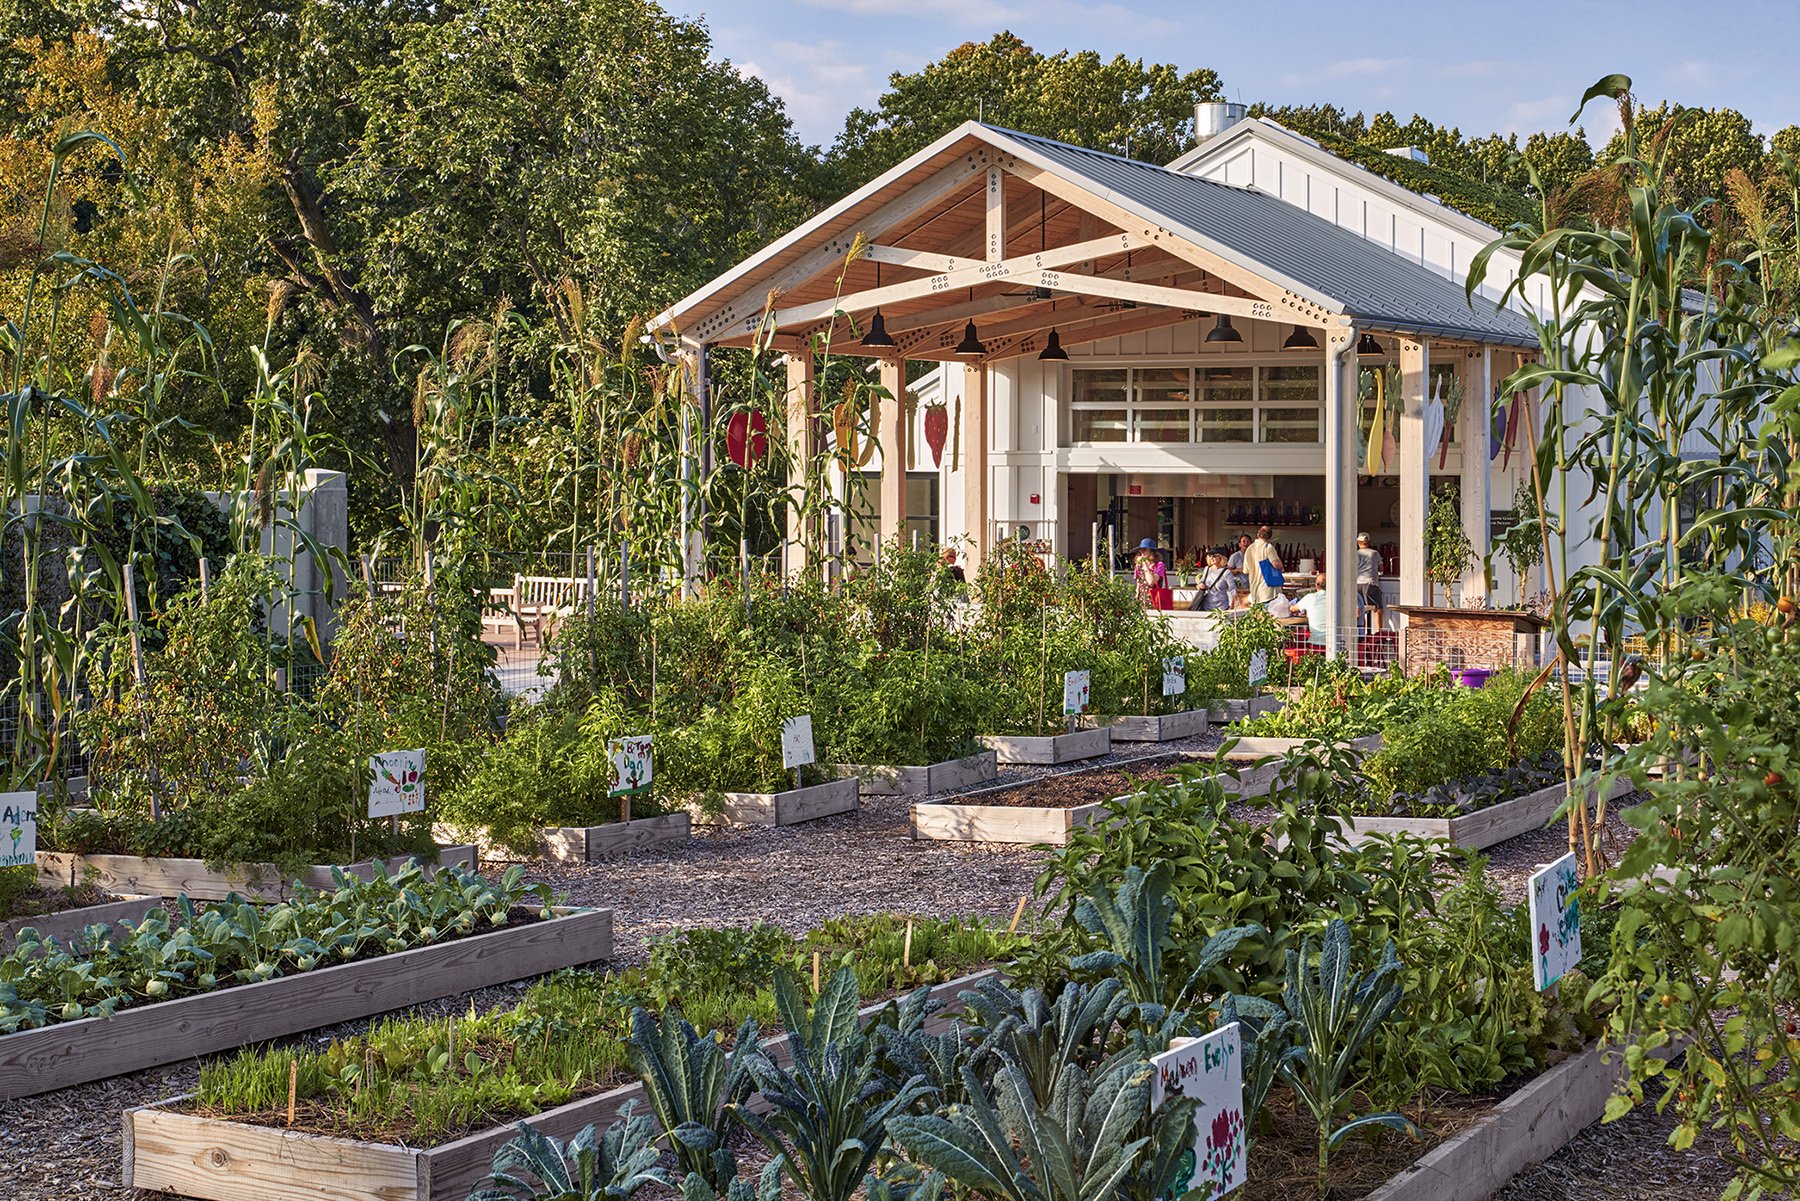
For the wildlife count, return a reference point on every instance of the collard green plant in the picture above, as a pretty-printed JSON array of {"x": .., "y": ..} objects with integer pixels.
[
  {"x": 827, "y": 1113},
  {"x": 1086, "y": 1141},
  {"x": 1333, "y": 1013},
  {"x": 690, "y": 1081},
  {"x": 608, "y": 1166},
  {"x": 1133, "y": 924},
  {"x": 1040, "y": 1037}
]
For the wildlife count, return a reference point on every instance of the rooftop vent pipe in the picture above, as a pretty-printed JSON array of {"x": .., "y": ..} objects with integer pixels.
[{"x": 1215, "y": 117}]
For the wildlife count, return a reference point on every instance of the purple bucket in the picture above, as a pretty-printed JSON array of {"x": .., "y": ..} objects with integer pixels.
[{"x": 1473, "y": 677}]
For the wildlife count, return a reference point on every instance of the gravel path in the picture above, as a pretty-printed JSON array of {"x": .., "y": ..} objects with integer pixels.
[{"x": 65, "y": 1146}]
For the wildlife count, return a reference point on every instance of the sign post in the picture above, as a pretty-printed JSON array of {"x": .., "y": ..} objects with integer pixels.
[
  {"x": 1077, "y": 692},
  {"x": 1175, "y": 675},
  {"x": 797, "y": 745},
  {"x": 397, "y": 783},
  {"x": 1555, "y": 909},
  {"x": 1259, "y": 667},
  {"x": 18, "y": 828},
  {"x": 632, "y": 773},
  {"x": 1210, "y": 1070}
]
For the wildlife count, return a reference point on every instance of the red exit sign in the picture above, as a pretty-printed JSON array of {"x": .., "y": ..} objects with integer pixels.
[{"x": 1137, "y": 489}]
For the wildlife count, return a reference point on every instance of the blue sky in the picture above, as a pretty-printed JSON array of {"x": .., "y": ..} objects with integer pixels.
[{"x": 1513, "y": 67}]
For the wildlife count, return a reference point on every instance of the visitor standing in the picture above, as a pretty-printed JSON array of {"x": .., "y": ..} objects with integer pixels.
[
  {"x": 1217, "y": 583},
  {"x": 1148, "y": 571},
  {"x": 1368, "y": 582},
  {"x": 1262, "y": 551}
]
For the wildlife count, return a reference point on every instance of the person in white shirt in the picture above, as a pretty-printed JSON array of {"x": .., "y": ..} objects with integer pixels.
[{"x": 1313, "y": 604}]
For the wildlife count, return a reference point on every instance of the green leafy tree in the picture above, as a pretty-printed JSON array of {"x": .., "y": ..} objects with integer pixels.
[{"x": 1073, "y": 96}]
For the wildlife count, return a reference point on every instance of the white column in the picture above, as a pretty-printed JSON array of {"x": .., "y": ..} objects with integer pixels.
[
  {"x": 1475, "y": 421},
  {"x": 692, "y": 556},
  {"x": 802, "y": 444},
  {"x": 1340, "y": 488},
  {"x": 892, "y": 432},
  {"x": 975, "y": 463},
  {"x": 1415, "y": 469}
]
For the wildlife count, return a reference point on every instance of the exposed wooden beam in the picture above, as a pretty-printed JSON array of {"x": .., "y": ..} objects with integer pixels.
[
  {"x": 740, "y": 315},
  {"x": 1292, "y": 307},
  {"x": 1177, "y": 298},
  {"x": 1131, "y": 322},
  {"x": 1027, "y": 268},
  {"x": 996, "y": 215}
]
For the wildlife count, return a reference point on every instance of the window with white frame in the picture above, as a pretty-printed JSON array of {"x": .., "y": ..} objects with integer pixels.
[{"x": 1240, "y": 403}]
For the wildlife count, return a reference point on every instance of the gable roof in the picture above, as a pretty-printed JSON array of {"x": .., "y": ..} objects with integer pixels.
[
  {"x": 1275, "y": 241},
  {"x": 1377, "y": 287}
]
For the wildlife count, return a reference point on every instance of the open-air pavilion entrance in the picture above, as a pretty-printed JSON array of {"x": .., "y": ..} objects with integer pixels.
[{"x": 1135, "y": 343}]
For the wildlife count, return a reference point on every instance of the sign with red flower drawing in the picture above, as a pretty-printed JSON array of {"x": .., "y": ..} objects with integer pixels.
[
  {"x": 1077, "y": 692},
  {"x": 1211, "y": 1070},
  {"x": 1555, "y": 921},
  {"x": 397, "y": 783}
]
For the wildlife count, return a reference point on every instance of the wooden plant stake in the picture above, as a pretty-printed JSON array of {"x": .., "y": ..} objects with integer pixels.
[
  {"x": 624, "y": 807},
  {"x": 293, "y": 1086},
  {"x": 906, "y": 949},
  {"x": 815, "y": 973},
  {"x": 1017, "y": 914},
  {"x": 205, "y": 579}
]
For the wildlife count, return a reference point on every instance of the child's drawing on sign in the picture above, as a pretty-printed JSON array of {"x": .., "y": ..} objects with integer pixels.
[
  {"x": 1555, "y": 908},
  {"x": 631, "y": 764},
  {"x": 797, "y": 741},
  {"x": 1175, "y": 675},
  {"x": 397, "y": 783},
  {"x": 1211, "y": 1071},
  {"x": 1077, "y": 692},
  {"x": 18, "y": 823}
]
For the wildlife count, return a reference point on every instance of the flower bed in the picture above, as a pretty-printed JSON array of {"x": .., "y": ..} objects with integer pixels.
[
  {"x": 141, "y": 1019},
  {"x": 149, "y": 876},
  {"x": 189, "y": 1146},
  {"x": 1038, "y": 811}
]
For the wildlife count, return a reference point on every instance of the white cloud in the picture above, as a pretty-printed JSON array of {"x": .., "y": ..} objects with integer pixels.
[
  {"x": 966, "y": 12},
  {"x": 1532, "y": 116},
  {"x": 1348, "y": 68},
  {"x": 1476, "y": 68}
]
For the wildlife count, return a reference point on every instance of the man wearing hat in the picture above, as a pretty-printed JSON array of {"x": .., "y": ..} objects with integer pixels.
[{"x": 1368, "y": 581}]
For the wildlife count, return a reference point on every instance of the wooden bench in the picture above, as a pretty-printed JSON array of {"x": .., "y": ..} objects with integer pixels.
[{"x": 535, "y": 603}]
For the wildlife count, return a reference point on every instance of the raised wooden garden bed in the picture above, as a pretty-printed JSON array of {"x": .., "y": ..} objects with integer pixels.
[
  {"x": 70, "y": 1053},
  {"x": 1161, "y": 727},
  {"x": 1049, "y": 748},
  {"x": 66, "y": 925},
  {"x": 1238, "y": 708},
  {"x": 1525, "y": 1129},
  {"x": 1037, "y": 811},
  {"x": 142, "y": 876},
  {"x": 171, "y": 1151},
  {"x": 1255, "y": 748},
  {"x": 790, "y": 807},
  {"x": 947, "y": 776},
  {"x": 580, "y": 844},
  {"x": 1481, "y": 828}
]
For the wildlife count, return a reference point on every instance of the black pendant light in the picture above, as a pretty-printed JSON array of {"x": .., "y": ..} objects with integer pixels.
[
  {"x": 1053, "y": 351},
  {"x": 1222, "y": 331},
  {"x": 1300, "y": 339},
  {"x": 1368, "y": 345},
  {"x": 970, "y": 347},
  {"x": 878, "y": 337}
]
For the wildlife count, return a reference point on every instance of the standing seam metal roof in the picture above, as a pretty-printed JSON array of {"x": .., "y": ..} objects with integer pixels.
[{"x": 1375, "y": 286}]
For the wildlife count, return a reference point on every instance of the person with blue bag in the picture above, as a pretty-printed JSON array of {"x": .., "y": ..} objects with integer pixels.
[{"x": 1263, "y": 566}]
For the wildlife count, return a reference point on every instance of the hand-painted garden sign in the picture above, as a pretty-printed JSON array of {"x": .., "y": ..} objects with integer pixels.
[
  {"x": 631, "y": 764},
  {"x": 1211, "y": 1070},
  {"x": 797, "y": 741},
  {"x": 1259, "y": 666},
  {"x": 18, "y": 828},
  {"x": 397, "y": 783},
  {"x": 1075, "y": 692},
  {"x": 1175, "y": 675},
  {"x": 1555, "y": 921}
]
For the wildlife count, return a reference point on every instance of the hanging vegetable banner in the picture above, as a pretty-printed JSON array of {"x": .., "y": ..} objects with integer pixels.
[
  {"x": 746, "y": 438},
  {"x": 856, "y": 448},
  {"x": 937, "y": 428},
  {"x": 1514, "y": 419}
]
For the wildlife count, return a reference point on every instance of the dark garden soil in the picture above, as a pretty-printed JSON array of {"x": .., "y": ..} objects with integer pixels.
[
  {"x": 37, "y": 900},
  {"x": 1284, "y": 1161}
]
